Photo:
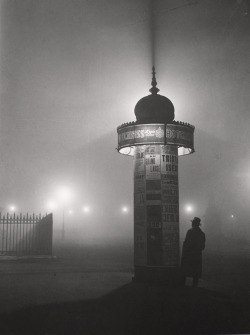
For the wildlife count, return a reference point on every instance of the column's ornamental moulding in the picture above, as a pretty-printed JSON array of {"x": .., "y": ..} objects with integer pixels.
[{"x": 177, "y": 133}]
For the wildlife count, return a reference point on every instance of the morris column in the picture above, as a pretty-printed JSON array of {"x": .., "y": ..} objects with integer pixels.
[{"x": 156, "y": 140}]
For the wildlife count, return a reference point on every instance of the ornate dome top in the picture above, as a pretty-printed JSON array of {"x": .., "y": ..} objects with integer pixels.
[{"x": 154, "y": 108}]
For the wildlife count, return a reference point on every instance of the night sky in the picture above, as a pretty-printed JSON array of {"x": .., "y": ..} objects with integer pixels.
[{"x": 72, "y": 71}]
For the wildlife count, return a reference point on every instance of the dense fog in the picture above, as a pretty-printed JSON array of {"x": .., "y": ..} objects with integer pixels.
[{"x": 72, "y": 71}]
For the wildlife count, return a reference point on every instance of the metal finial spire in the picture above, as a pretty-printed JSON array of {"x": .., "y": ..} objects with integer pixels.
[{"x": 154, "y": 89}]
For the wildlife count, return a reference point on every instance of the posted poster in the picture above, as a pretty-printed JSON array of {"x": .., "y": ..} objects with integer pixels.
[
  {"x": 139, "y": 160},
  {"x": 140, "y": 216},
  {"x": 140, "y": 228},
  {"x": 140, "y": 245},
  {"x": 139, "y": 186},
  {"x": 169, "y": 163},
  {"x": 152, "y": 149},
  {"x": 153, "y": 166},
  {"x": 154, "y": 235},
  {"x": 139, "y": 199},
  {"x": 170, "y": 205}
]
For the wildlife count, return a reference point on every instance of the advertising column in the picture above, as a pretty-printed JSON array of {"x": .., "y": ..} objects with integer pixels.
[{"x": 156, "y": 206}]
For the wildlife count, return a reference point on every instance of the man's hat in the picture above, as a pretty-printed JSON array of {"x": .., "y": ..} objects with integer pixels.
[{"x": 196, "y": 221}]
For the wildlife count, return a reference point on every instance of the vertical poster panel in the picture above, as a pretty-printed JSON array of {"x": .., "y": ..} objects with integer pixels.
[
  {"x": 139, "y": 170},
  {"x": 152, "y": 149},
  {"x": 169, "y": 160},
  {"x": 170, "y": 205},
  {"x": 140, "y": 245},
  {"x": 154, "y": 235},
  {"x": 153, "y": 192},
  {"x": 153, "y": 166},
  {"x": 139, "y": 177},
  {"x": 153, "y": 201},
  {"x": 140, "y": 228}
]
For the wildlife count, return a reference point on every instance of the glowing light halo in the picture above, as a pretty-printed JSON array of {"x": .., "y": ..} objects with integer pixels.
[
  {"x": 189, "y": 208},
  {"x": 124, "y": 209},
  {"x": 86, "y": 209},
  {"x": 12, "y": 208},
  {"x": 64, "y": 194},
  {"x": 51, "y": 204}
]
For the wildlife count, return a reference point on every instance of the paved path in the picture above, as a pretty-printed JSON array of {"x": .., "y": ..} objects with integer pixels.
[
  {"x": 82, "y": 276},
  {"x": 24, "y": 284}
]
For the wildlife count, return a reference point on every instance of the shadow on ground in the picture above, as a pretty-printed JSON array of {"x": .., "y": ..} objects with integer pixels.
[{"x": 135, "y": 309}]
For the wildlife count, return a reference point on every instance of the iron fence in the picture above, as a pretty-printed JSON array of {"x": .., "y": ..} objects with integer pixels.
[{"x": 26, "y": 234}]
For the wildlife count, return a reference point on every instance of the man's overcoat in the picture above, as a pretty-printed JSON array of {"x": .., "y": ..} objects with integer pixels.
[{"x": 193, "y": 245}]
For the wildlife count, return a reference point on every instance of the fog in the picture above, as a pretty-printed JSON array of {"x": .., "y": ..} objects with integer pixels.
[{"x": 72, "y": 71}]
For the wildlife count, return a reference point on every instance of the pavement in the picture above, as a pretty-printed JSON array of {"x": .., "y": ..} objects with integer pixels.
[{"x": 86, "y": 292}]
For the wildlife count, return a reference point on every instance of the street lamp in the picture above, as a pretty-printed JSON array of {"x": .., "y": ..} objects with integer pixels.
[
  {"x": 12, "y": 208},
  {"x": 85, "y": 209},
  {"x": 189, "y": 208},
  {"x": 64, "y": 195},
  {"x": 125, "y": 209},
  {"x": 51, "y": 205}
]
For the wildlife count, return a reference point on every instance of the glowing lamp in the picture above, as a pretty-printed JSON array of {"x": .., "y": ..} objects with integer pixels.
[
  {"x": 64, "y": 194},
  {"x": 86, "y": 209},
  {"x": 12, "y": 208},
  {"x": 124, "y": 209},
  {"x": 189, "y": 208}
]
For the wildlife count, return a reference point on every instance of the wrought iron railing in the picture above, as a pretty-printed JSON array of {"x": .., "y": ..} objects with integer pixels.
[{"x": 26, "y": 234}]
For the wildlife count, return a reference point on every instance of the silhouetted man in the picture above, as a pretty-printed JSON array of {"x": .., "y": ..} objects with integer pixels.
[{"x": 194, "y": 244}]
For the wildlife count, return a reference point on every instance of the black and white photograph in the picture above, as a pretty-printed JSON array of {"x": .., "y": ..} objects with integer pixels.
[{"x": 124, "y": 167}]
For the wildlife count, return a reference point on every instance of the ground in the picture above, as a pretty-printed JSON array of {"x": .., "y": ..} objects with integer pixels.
[{"x": 90, "y": 291}]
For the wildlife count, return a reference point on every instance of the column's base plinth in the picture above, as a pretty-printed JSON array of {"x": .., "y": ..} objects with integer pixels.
[{"x": 159, "y": 275}]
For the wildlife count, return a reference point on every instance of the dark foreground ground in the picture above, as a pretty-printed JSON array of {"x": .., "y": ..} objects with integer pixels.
[
  {"x": 86, "y": 292},
  {"x": 135, "y": 309}
]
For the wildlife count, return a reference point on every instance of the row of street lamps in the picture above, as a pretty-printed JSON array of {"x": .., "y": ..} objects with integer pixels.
[
  {"x": 51, "y": 206},
  {"x": 65, "y": 197}
]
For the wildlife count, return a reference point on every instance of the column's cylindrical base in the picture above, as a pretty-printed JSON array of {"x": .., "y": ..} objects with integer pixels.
[{"x": 159, "y": 275}]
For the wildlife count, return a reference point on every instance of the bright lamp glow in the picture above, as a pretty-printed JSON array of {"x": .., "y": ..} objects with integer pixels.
[
  {"x": 125, "y": 209},
  {"x": 70, "y": 212},
  {"x": 64, "y": 194},
  {"x": 189, "y": 208},
  {"x": 86, "y": 209},
  {"x": 12, "y": 208},
  {"x": 51, "y": 205}
]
